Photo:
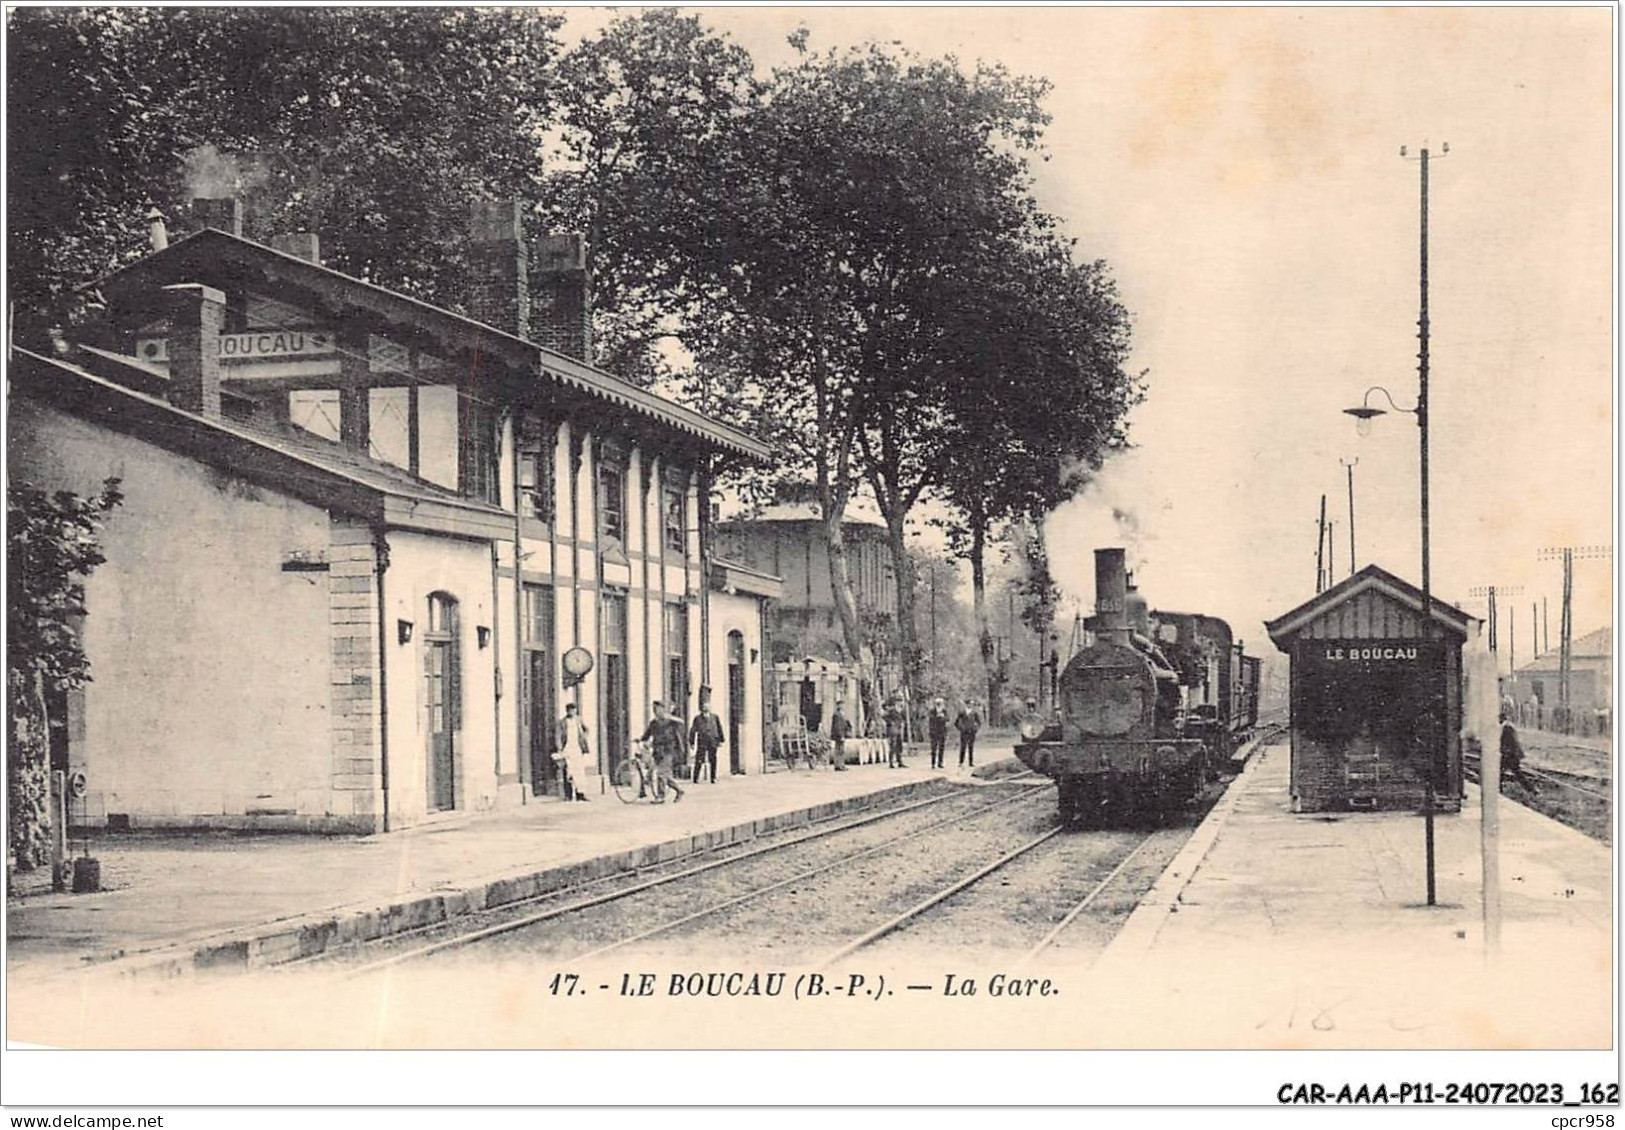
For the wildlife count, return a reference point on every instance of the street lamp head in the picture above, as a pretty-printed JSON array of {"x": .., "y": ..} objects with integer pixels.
[{"x": 1363, "y": 415}]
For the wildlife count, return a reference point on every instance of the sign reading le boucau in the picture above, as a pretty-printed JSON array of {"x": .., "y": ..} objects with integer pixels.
[
  {"x": 1379, "y": 651},
  {"x": 256, "y": 345}
]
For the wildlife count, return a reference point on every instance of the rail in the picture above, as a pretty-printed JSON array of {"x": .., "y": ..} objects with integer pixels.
[
  {"x": 1473, "y": 761},
  {"x": 464, "y": 939}
]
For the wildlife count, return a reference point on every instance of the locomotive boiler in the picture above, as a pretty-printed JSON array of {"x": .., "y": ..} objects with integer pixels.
[{"x": 1126, "y": 743}]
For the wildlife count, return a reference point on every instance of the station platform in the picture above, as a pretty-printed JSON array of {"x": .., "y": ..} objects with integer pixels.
[
  {"x": 176, "y": 902},
  {"x": 1280, "y": 930}
]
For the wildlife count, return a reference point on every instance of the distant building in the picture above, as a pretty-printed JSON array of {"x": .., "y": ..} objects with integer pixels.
[
  {"x": 361, "y": 533},
  {"x": 1535, "y": 686},
  {"x": 812, "y": 665}
]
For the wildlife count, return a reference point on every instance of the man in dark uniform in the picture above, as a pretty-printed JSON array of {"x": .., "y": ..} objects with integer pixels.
[
  {"x": 839, "y": 730},
  {"x": 967, "y": 723},
  {"x": 936, "y": 723},
  {"x": 894, "y": 734},
  {"x": 706, "y": 735},
  {"x": 1512, "y": 754},
  {"x": 669, "y": 744}
]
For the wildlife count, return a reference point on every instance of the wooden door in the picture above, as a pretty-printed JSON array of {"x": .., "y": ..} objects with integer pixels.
[
  {"x": 444, "y": 702},
  {"x": 616, "y": 708},
  {"x": 736, "y": 700}
]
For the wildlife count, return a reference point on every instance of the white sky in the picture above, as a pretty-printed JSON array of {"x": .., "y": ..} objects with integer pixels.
[{"x": 1240, "y": 171}]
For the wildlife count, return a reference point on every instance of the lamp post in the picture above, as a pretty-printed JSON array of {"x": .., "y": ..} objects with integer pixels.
[{"x": 1364, "y": 414}]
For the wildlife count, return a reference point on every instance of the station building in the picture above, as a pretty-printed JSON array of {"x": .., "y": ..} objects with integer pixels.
[
  {"x": 360, "y": 532},
  {"x": 1375, "y": 686},
  {"x": 1536, "y": 686},
  {"x": 812, "y": 670}
]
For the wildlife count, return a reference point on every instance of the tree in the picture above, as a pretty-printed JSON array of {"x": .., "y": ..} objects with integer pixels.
[
  {"x": 647, "y": 111},
  {"x": 1048, "y": 342},
  {"x": 372, "y": 126},
  {"x": 51, "y": 548},
  {"x": 867, "y": 184}
]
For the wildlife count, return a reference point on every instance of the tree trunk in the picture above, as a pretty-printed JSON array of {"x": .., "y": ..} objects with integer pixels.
[
  {"x": 834, "y": 488},
  {"x": 984, "y": 632},
  {"x": 29, "y": 768},
  {"x": 846, "y": 605},
  {"x": 904, "y": 634}
]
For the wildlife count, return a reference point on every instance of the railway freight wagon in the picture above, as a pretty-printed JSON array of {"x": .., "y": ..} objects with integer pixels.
[{"x": 1119, "y": 750}]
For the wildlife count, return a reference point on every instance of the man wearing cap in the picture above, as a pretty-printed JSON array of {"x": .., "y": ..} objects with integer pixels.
[
  {"x": 669, "y": 744},
  {"x": 706, "y": 736}
]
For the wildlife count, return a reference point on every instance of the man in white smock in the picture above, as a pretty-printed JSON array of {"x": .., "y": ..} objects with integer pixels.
[{"x": 573, "y": 757}]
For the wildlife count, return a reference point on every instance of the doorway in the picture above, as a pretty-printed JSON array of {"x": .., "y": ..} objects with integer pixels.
[
  {"x": 445, "y": 701},
  {"x": 536, "y": 689},
  {"x": 736, "y": 700},
  {"x": 615, "y": 685}
]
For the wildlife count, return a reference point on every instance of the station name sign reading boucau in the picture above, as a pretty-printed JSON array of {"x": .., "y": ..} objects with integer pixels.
[
  {"x": 256, "y": 345},
  {"x": 1394, "y": 654}
]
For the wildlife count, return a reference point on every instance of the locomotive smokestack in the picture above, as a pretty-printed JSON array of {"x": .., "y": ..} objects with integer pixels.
[{"x": 1111, "y": 592}]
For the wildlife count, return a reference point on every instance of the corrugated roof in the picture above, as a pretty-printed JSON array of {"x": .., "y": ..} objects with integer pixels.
[{"x": 561, "y": 367}]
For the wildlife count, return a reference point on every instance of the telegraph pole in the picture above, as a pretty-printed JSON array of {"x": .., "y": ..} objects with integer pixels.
[
  {"x": 1493, "y": 592},
  {"x": 1565, "y": 627},
  {"x": 1350, "y": 468},
  {"x": 1320, "y": 550}
]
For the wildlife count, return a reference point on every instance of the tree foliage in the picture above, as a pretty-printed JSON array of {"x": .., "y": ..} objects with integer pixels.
[
  {"x": 640, "y": 161},
  {"x": 371, "y": 126},
  {"x": 51, "y": 548}
]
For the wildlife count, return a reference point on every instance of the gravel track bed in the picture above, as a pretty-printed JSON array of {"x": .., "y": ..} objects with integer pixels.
[
  {"x": 827, "y": 905},
  {"x": 597, "y": 925},
  {"x": 1005, "y": 914},
  {"x": 802, "y": 922}
]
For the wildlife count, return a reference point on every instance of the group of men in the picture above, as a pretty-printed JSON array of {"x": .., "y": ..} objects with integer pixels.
[
  {"x": 662, "y": 755},
  {"x": 968, "y": 722},
  {"x": 664, "y": 746}
]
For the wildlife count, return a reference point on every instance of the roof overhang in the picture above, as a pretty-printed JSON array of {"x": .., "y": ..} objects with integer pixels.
[
  {"x": 732, "y": 577},
  {"x": 245, "y": 454},
  {"x": 1371, "y": 578},
  {"x": 221, "y": 258}
]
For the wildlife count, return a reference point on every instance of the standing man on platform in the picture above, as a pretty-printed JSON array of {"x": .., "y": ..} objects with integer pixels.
[
  {"x": 967, "y": 723},
  {"x": 839, "y": 730},
  {"x": 706, "y": 736},
  {"x": 572, "y": 753},
  {"x": 669, "y": 744},
  {"x": 894, "y": 734},
  {"x": 936, "y": 722}
]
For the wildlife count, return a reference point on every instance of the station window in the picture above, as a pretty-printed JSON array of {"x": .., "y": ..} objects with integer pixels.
[
  {"x": 611, "y": 503},
  {"x": 479, "y": 448},
  {"x": 677, "y": 658},
  {"x": 676, "y": 541},
  {"x": 535, "y": 477}
]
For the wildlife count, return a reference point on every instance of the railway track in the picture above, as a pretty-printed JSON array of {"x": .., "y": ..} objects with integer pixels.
[
  {"x": 1472, "y": 763},
  {"x": 581, "y": 905},
  {"x": 919, "y": 910}
]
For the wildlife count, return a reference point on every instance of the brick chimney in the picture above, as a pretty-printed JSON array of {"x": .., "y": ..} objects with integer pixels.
[
  {"x": 224, "y": 213},
  {"x": 197, "y": 315},
  {"x": 304, "y": 245},
  {"x": 562, "y": 294},
  {"x": 499, "y": 293}
]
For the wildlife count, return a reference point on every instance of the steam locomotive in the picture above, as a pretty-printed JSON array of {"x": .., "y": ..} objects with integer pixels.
[{"x": 1147, "y": 714}]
